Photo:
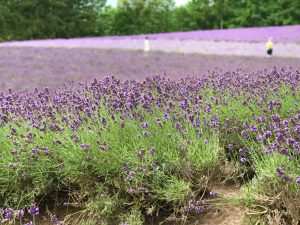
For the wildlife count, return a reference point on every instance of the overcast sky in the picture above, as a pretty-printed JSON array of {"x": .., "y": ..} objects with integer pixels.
[{"x": 178, "y": 2}]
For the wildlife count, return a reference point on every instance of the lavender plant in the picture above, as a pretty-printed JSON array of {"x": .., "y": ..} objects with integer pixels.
[{"x": 115, "y": 150}]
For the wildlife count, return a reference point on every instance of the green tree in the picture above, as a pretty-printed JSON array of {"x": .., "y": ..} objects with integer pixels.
[
  {"x": 32, "y": 19},
  {"x": 143, "y": 16},
  {"x": 249, "y": 13}
]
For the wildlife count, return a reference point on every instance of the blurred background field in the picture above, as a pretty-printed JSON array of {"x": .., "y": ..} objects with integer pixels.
[
  {"x": 29, "y": 67},
  {"x": 55, "y": 62}
]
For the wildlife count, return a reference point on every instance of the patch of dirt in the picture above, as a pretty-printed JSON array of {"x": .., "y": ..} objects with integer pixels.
[{"x": 224, "y": 214}]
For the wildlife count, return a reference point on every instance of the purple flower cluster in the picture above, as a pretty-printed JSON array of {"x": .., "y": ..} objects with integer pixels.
[
  {"x": 11, "y": 214},
  {"x": 48, "y": 130},
  {"x": 198, "y": 206},
  {"x": 8, "y": 215}
]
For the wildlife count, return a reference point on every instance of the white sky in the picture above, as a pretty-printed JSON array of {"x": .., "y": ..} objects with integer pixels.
[{"x": 177, "y": 2}]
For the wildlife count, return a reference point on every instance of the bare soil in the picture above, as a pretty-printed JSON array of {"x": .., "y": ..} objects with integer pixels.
[{"x": 224, "y": 214}]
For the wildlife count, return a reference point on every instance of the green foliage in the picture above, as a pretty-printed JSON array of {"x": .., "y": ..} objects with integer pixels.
[
  {"x": 29, "y": 19},
  {"x": 140, "y": 16},
  {"x": 96, "y": 178},
  {"x": 134, "y": 217},
  {"x": 250, "y": 13}
]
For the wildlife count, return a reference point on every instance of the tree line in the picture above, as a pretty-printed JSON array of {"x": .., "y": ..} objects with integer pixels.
[{"x": 39, "y": 19}]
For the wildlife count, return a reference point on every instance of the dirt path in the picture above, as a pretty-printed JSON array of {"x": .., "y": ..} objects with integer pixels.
[{"x": 226, "y": 214}]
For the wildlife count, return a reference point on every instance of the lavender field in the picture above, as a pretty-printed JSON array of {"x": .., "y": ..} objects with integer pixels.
[
  {"x": 106, "y": 136},
  {"x": 22, "y": 68},
  {"x": 282, "y": 34},
  {"x": 231, "y": 42}
]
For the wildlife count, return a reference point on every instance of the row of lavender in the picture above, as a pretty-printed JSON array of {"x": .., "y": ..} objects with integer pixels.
[
  {"x": 240, "y": 42},
  {"x": 170, "y": 45},
  {"x": 22, "y": 68},
  {"x": 123, "y": 150},
  {"x": 283, "y": 34}
]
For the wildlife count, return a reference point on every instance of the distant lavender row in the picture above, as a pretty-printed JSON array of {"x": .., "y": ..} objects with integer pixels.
[
  {"x": 22, "y": 68},
  {"x": 284, "y": 34},
  {"x": 257, "y": 34}
]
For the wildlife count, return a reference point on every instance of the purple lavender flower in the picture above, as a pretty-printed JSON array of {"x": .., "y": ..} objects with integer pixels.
[
  {"x": 286, "y": 178},
  {"x": 253, "y": 128},
  {"x": 85, "y": 147},
  {"x": 19, "y": 214},
  {"x": 145, "y": 133},
  {"x": 182, "y": 105},
  {"x": 159, "y": 123},
  {"x": 152, "y": 151},
  {"x": 260, "y": 138},
  {"x": 103, "y": 147},
  {"x": 166, "y": 116},
  {"x": 75, "y": 138},
  {"x": 213, "y": 194},
  {"x": 103, "y": 120},
  {"x": 244, "y": 134},
  {"x": 153, "y": 165},
  {"x": 207, "y": 108},
  {"x": 65, "y": 203},
  {"x": 243, "y": 160},
  {"x": 131, "y": 173},
  {"x": 53, "y": 219},
  {"x": 215, "y": 121},
  {"x": 245, "y": 124},
  {"x": 34, "y": 151},
  {"x": 18, "y": 144},
  {"x": 285, "y": 123},
  {"x": 14, "y": 152},
  {"x": 280, "y": 171},
  {"x": 199, "y": 209},
  {"x": 275, "y": 118},
  {"x": 145, "y": 125},
  {"x": 131, "y": 190},
  {"x": 268, "y": 134},
  {"x": 30, "y": 223},
  {"x": 9, "y": 213},
  {"x": 33, "y": 209},
  {"x": 298, "y": 180}
]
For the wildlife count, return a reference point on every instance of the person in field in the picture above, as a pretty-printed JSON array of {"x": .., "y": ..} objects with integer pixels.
[
  {"x": 146, "y": 45},
  {"x": 269, "y": 47}
]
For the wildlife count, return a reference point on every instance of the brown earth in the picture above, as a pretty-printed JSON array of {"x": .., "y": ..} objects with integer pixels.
[{"x": 224, "y": 214}]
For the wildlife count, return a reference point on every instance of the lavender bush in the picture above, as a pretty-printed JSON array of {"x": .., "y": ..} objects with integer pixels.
[
  {"x": 284, "y": 34},
  {"x": 121, "y": 150}
]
